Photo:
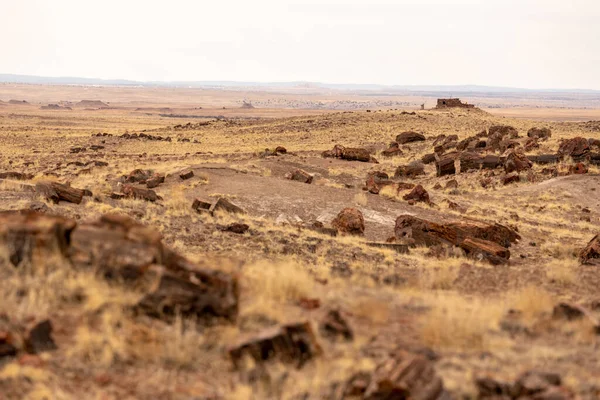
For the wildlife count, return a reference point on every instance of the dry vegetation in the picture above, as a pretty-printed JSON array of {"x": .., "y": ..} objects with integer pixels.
[{"x": 476, "y": 318}]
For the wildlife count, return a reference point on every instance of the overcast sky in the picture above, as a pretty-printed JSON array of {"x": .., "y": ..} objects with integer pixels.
[{"x": 517, "y": 43}]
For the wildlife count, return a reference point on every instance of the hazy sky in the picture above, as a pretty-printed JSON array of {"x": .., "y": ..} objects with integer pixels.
[{"x": 520, "y": 43}]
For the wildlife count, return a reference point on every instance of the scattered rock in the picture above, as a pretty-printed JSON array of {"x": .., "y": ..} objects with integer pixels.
[
  {"x": 480, "y": 249},
  {"x": 591, "y": 252},
  {"x": 544, "y": 159},
  {"x": 445, "y": 165},
  {"x": 405, "y": 376},
  {"x": 186, "y": 174},
  {"x": 451, "y": 184},
  {"x": 350, "y": 154},
  {"x": 300, "y": 176},
  {"x": 429, "y": 233},
  {"x": 428, "y": 158},
  {"x": 56, "y": 192},
  {"x": 20, "y": 176},
  {"x": 513, "y": 177},
  {"x": 292, "y": 343},
  {"x": 39, "y": 338},
  {"x": 376, "y": 180},
  {"x": 280, "y": 150},
  {"x": 411, "y": 170},
  {"x": 418, "y": 194},
  {"x": 579, "y": 168},
  {"x": 201, "y": 205},
  {"x": 539, "y": 133},
  {"x": 475, "y": 161},
  {"x": 222, "y": 204},
  {"x": 503, "y": 130},
  {"x": 133, "y": 192},
  {"x": 577, "y": 147},
  {"x": 138, "y": 176},
  {"x": 392, "y": 151},
  {"x": 409, "y": 137},
  {"x": 334, "y": 325},
  {"x": 38, "y": 206},
  {"x": 516, "y": 161},
  {"x": 155, "y": 181},
  {"x": 309, "y": 303},
  {"x": 349, "y": 220},
  {"x": 238, "y": 228}
]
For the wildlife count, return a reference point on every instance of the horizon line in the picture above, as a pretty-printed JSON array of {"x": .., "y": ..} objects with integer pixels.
[{"x": 41, "y": 79}]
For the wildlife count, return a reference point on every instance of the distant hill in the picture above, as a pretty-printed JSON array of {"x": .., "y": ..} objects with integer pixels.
[{"x": 445, "y": 90}]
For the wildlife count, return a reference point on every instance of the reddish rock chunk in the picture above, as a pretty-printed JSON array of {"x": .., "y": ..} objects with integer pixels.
[
  {"x": 32, "y": 237},
  {"x": 531, "y": 144},
  {"x": 292, "y": 343},
  {"x": 280, "y": 150},
  {"x": 377, "y": 180},
  {"x": 411, "y": 170},
  {"x": 417, "y": 194},
  {"x": 39, "y": 338},
  {"x": 334, "y": 324},
  {"x": 579, "y": 168},
  {"x": 349, "y": 220},
  {"x": 591, "y": 252},
  {"x": 392, "y": 151},
  {"x": 133, "y": 192},
  {"x": 57, "y": 192},
  {"x": 356, "y": 154},
  {"x": 201, "y": 206},
  {"x": 7, "y": 347},
  {"x": 238, "y": 228},
  {"x": 516, "y": 161},
  {"x": 406, "y": 376},
  {"x": 471, "y": 160},
  {"x": 429, "y": 233},
  {"x": 485, "y": 250},
  {"x": 222, "y": 204},
  {"x": 539, "y": 133},
  {"x": 300, "y": 176},
  {"x": 451, "y": 184},
  {"x": 155, "y": 180},
  {"x": 409, "y": 137},
  {"x": 576, "y": 148},
  {"x": 428, "y": 158},
  {"x": 445, "y": 165},
  {"x": 503, "y": 130},
  {"x": 350, "y": 154},
  {"x": 513, "y": 177},
  {"x": 138, "y": 176},
  {"x": 186, "y": 174}
]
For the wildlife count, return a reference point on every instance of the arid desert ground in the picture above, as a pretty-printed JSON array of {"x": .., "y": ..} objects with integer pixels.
[{"x": 162, "y": 243}]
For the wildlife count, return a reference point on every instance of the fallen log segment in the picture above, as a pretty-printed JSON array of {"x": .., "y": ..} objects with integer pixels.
[
  {"x": 544, "y": 159},
  {"x": 471, "y": 160},
  {"x": 479, "y": 240},
  {"x": 429, "y": 233},
  {"x": 57, "y": 192},
  {"x": 445, "y": 165}
]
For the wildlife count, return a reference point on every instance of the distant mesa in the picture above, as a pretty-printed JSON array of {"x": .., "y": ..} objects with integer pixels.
[
  {"x": 452, "y": 103},
  {"x": 18, "y": 102},
  {"x": 91, "y": 104},
  {"x": 54, "y": 107},
  {"x": 247, "y": 104}
]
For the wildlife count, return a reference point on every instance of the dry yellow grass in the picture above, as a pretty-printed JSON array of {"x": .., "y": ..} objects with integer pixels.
[{"x": 460, "y": 323}]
